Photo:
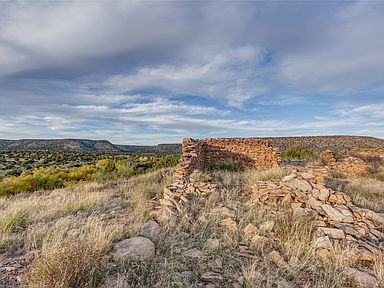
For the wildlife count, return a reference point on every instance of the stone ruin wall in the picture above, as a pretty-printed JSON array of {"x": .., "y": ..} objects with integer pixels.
[
  {"x": 265, "y": 152},
  {"x": 339, "y": 144},
  {"x": 245, "y": 152}
]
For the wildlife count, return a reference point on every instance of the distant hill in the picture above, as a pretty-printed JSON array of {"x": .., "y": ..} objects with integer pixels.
[{"x": 84, "y": 145}]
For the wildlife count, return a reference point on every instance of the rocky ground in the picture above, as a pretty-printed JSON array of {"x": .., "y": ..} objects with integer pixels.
[{"x": 281, "y": 227}]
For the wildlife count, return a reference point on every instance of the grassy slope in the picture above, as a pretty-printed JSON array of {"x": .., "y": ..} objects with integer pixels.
[{"x": 67, "y": 235}]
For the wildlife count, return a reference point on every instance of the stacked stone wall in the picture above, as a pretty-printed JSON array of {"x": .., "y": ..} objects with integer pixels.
[
  {"x": 244, "y": 152},
  {"x": 349, "y": 165},
  {"x": 340, "y": 144}
]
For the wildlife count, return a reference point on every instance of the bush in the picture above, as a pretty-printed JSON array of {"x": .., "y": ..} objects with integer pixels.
[
  {"x": 48, "y": 178},
  {"x": 165, "y": 162},
  {"x": 294, "y": 152}
]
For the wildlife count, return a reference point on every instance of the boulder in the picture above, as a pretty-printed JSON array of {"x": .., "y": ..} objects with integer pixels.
[
  {"x": 135, "y": 247},
  {"x": 150, "y": 230},
  {"x": 360, "y": 278}
]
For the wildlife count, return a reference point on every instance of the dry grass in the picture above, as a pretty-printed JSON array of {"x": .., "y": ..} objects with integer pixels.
[
  {"x": 10, "y": 220},
  {"x": 73, "y": 258},
  {"x": 68, "y": 233},
  {"x": 71, "y": 234},
  {"x": 367, "y": 193},
  {"x": 276, "y": 173}
]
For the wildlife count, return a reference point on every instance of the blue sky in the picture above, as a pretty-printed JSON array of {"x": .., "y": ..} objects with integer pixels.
[{"x": 153, "y": 72}]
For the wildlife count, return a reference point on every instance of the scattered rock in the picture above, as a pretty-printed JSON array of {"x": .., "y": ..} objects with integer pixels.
[
  {"x": 332, "y": 213},
  {"x": 211, "y": 277},
  {"x": 333, "y": 232},
  {"x": 282, "y": 283},
  {"x": 250, "y": 230},
  {"x": 267, "y": 226},
  {"x": 259, "y": 240},
  {"x": 277, "y": 259},
  {"x": 212, "y": 244},
  {"x": 288, "y": 178},
  {"x": 150, "y": 230},
  {"x": 193, "y": 253},
  {"x": 135, "y": 247},
  {"x": 299, "y": 184},
  {"x": 216, "y": 266},
  {"x": 294, "y": 261},
  {"x": 362, "y": 279},
  {"x": 230, "y": 224},
  {"x": 323, "y": 242},
  {"x": 223, "y": 212}
]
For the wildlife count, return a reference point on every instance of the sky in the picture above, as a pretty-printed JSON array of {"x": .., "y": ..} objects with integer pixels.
[{"x": 153, "y": 72}]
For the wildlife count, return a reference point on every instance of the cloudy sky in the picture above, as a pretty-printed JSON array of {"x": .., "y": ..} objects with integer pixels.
[{"x": 153, "y": 72}]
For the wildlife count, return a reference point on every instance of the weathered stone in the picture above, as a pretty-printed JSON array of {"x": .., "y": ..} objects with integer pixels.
[
  {"x": 216, "y": 266},
  {"x": 324, "y": 194},
  {"x": 250, "y": 230},
  {"x": 333, "y": 233},
  {"x": 277, "y": 259},
  {"x": 288, "y": 178},
  {"x": 360, "y": 278},
  {"x": 212, "y": 244},
  {"x": 258, "y": 240},
  {"x": 348, "y": 215},
  {"x": 313, "y": 203},
  {"x": 282, "y": 283},
  {"x": 267, "y": 226},
  {"x": 193, "y": 253},
  {"x": 299, "y": 184},
  {"x": 211, "y": 277},
  {"x": 307, "y": 176},
  {"x": 323, "y": 242},
  {"x": 223, "y": 212},
  {"x": 366, "y": 255},
  {"x": 319, "y": 223},
  {"x": 348, "y": 230},
  {"x": 150, "y": 230},
  {"x": 376, "y": 218},
  {"x": 332, "y": 213},
  {"x": 229, "y": 224},
  {"x": 135, "y": 247}
]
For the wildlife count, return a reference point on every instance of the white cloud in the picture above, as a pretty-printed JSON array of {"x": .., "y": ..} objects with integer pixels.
[{"x": 230, "y": 75}]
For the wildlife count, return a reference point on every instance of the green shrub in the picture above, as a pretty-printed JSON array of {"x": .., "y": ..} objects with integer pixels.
[
  {"x": 297, "y": 153},
  {"x": 165, "y": 161}
]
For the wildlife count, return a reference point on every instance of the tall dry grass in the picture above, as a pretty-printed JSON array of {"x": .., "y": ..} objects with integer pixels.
[{"x": 73, "y": 257}]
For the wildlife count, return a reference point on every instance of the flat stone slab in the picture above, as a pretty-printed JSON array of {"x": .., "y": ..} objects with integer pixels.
[{"x": 135, "y": 247}]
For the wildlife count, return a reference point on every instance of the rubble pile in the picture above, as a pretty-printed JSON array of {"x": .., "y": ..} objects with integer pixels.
[
  {"x": 349, "y": 165},
  {"x": 336, "y": 218}
]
